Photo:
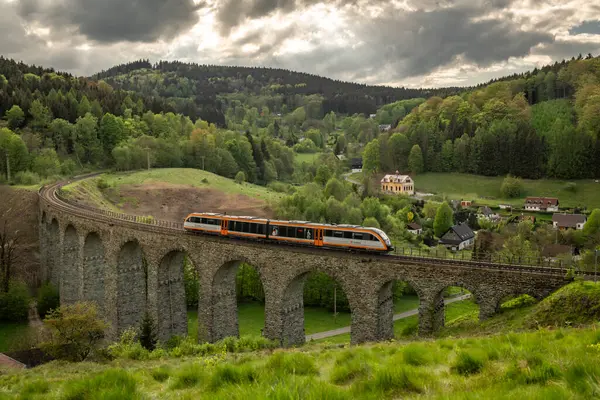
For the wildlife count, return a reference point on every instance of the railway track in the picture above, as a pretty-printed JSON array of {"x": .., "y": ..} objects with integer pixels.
[{"x": 50, "y": 195}]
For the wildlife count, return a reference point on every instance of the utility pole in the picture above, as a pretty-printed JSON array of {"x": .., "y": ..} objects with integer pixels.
[{"x": 7, "y": 168}]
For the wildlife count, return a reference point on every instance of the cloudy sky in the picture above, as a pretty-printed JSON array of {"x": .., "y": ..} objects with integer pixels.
[{"x": 423, "y": 43}]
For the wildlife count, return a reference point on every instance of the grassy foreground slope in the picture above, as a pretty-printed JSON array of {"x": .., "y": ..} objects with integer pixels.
[{"x": 552, "y": 362}]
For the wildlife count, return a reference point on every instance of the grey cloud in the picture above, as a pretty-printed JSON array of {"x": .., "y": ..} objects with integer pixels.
[
  {"x": 592, "y": 27},
  {"x": 110, "y": 21},
  {"x": 565, "y": 49}
]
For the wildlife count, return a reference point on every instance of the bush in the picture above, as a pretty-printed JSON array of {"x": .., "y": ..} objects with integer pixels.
[
  {"x": 469, "y": 362},
  {"x": 240, "y": 177},
  {"x": 47, "y": 299},
  {"x": 396, "y": 379},
  {"x": 68, "y": 167},
  {"x": 27, "y": 178},
  {"x": 128, "y": 346},
  {"x": 511, "y": 187},
  {"x": 75, "y": 331},
  {"x": 14, "y": 304},
  {"x": 188, "y": 376},
  {"x": 101, "y": 183},
  {"x": 232, "y": 375},
  {"x": 204, "y": 180}
]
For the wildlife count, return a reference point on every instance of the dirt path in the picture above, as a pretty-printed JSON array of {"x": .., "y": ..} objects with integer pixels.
[
  {"x": 33, "y": 316},
  {"x": 406, "y": 314}
]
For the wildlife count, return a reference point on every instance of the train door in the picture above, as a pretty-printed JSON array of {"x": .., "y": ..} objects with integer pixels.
[
  {"x": 319, "y": 237},
  {"x": 224, "y": 223}
]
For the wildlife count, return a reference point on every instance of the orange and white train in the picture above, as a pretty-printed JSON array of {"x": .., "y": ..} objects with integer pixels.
[{"x": 348, "y": 237}]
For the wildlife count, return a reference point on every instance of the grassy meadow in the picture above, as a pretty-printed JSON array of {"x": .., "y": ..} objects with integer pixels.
[
  {"x": 13, "y": 335},
  {"x": 309, "y": 158}
]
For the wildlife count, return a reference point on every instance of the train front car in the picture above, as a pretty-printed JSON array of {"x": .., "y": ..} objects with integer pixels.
[
  {"x": 357, "y": 238},
  {"x": 203, "y": 223}
]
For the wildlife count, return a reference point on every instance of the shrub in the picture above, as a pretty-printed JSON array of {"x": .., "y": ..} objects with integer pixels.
[
  {"x": 68, "y": 167},
  {"x": 101, "y": 183},
  {"x": 75, "y": 331},
  {"x": 348, "y": 371},
  {"x": 14, "y": 304},
  {"x": 47, "y": 299},
  {"x": 111, "y": 384},
  {"x": 511, "y": 187},
  {"x": 128, "y": 346},
  {"x": 396, "y": 379},
  {"x": 469, "y": 362},
  {"x": 26, "y": 178},
  {"x": 240, "y": 177},
  {"x": 204, "y": 180},
  {"x": 148, "y": 333},
  {"x": 160, "y": 374}
]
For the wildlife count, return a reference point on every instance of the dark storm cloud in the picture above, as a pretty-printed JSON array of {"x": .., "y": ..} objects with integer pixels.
[
  {"x": 565, "y": 49},
  {"x": 402, "y": 44},
  {"x": 110, "y": 21},
  {"x": 591, "y": 27}
]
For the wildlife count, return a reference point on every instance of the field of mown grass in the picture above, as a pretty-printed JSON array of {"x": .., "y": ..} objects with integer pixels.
[
  {"x": 475, "y": 187},
  {"x": 300, "y": 158}
]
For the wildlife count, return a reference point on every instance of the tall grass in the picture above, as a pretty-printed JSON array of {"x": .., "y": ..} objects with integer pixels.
[{"x": 110, "y": 384}]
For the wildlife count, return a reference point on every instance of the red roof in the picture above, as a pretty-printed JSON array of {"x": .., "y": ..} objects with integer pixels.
[{"x": 547, "y": 201}]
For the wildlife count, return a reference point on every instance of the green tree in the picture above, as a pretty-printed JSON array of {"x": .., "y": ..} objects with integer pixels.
[
  {"x": 110, "y": 132},
  {"x": 371, "y": 157},
  {"x": 399, "y": 148},
  {"x": 84, "y": 107},
  {"x": 41, "y": 115},
  {"x": 336, "y": 189},
  {"x": 12, "y": 145},
  {"x": 87, "y": 145},
  {"x": 240, "y": 177},
  {"x": 340, "y": 144},
  {"x": 592, "y": 225},
  {"x": 15, "y": 117},
  {"x": 75, "y": 331},
  {"x": 371, "y": 222},
  {"x": 415, "y": 160},
  {"x": 511, "y": 187},
  {"x": 447, "y": 161},
  {"x": 444, "y": 219},
  {"x": 46, "y": 163},
  {"x": 323, "y": 174}
]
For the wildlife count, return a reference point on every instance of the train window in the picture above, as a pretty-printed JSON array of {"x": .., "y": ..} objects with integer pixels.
[
  {"x": 347, "y": 235},
  {"x": 309, "y": 234},
  {"x": 299, "y": 233},
  {"x": 197, "y": 220},
  {"x": 253, "y": 228},
  {"x": 212, "y": 222},
  {"x": 358, "y": 236},
  {"x": 275, "y": 230},
  {"x": 261, "y": 229},
  {"x": 338, "y": 234},
  {"x": 201, "y": 220},
  {"x": 246, "y": 227},
  {"x": 329, "y": 232}
]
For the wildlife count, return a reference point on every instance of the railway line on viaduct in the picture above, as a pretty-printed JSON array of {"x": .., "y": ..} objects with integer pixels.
[{"x": 129, "y": 266}]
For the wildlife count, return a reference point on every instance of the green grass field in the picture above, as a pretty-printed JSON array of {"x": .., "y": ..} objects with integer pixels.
[
  {"x": 474, "y": 187},
  {"x": 305, "y": 157},
  {"x": 13, "y": 335}
]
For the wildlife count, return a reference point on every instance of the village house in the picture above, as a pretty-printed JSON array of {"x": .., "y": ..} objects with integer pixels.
[
  {"x": 466, "y": 203},
  {"x": 385, "y": 127},
  {"x": 356, "y": 164},
  {"x": 397, "y": 184},
  {"x": 486, "y": 213},
  {"x": 414, "y": 228},
  {"x": 458, "y": 237},
  {"x": 541, "y": 204},
  {"x": 568, "y": 221}
]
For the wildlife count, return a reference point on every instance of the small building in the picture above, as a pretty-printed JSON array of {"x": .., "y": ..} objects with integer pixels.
[
  {"x": 541, "y": 204},
  {"x": 505, "y": 206},
  {"x": 356, "y": 164},
  {"x": 385, "y": 127},
  {"x": 486, "y": 213},
  {"x": 372, "y": 116},
  {"x": 466, "y": 203},
  {"x": 398, "y": 184},
  {"x": 458, "y": 237},
  {"x": 414, "y": 228},
  {"x": 568, "y": 221}
]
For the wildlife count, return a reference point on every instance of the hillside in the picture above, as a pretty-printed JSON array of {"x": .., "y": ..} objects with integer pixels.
[
  {"x": 171, "y": 194},
  {"x": 546, "y": 363}
]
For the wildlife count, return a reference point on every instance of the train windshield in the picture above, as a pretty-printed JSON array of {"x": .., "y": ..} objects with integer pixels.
[{"x": 386, "y": 239}]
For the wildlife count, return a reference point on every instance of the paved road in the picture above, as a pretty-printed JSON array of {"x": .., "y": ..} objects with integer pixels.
[{"x": 406, "y": 314}]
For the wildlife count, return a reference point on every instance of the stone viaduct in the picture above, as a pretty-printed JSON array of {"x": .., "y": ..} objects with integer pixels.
[{"x": 129, "y": 268}]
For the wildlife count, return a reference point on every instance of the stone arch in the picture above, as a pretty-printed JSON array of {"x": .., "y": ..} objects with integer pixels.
[
  {"x": 131, "y": 286},
  {"x": 70, "y": 276},
  {"x": 292, "y": 306},
  {"x": 509, "y": 293},
  {"x": 223, "y": 302},
  {"x": 172, "y": 310},
  {"x": 439, "y": 304},
  {"x": 386, "y": 306},
  {"x": 94, "y": 269},
  {"x": 53, "y": 253}
]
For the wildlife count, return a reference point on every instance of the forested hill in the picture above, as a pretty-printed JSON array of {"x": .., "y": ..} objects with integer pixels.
[{"x": 189, "y": 85}]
